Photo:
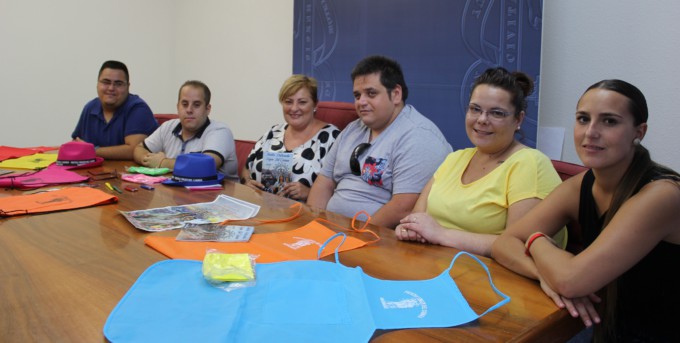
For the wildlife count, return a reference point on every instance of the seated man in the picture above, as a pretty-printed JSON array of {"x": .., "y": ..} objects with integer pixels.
[
  {"x": 116, "y": 121},
  {"x": 192, "y": 132},
  {"x": 380, "y": 162}
]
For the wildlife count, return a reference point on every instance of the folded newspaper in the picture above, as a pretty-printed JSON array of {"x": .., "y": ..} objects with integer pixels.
[{"x": 174, "y": 217}]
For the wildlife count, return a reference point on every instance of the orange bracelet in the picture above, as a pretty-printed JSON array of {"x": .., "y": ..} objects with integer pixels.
[{"x": 531, "y": 240}]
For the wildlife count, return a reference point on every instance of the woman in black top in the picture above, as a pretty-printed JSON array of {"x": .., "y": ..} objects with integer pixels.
[{"x": 628, "y": 208}]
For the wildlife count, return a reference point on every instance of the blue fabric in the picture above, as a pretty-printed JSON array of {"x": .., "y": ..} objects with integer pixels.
[
  {"x": 133, "y": 117},
  {"x": 172, "y": 302},
  {"x": 294, "y": 301}
]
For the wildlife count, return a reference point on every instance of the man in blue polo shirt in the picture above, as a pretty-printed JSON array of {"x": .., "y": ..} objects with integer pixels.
[{"x": 116, "y": 121}]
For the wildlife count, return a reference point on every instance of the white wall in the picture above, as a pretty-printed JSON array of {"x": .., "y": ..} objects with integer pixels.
[
  {"x": 585, "y": 41},
  {"x": 50, "y": 52},
  {"x": 243, "y": 50}
]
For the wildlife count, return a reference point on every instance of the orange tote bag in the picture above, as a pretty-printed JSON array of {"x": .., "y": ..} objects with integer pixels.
[
  {"x": 59, "y": 200},
  {"x": 299, "y": 244}
]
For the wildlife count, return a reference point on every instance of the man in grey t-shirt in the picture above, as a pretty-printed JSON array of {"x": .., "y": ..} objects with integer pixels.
[
  {"x": 192, "y": 132},
  {"x": 380, "y": 162}
]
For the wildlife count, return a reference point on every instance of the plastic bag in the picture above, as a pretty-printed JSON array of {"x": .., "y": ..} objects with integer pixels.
[{"x": 229, "y": 271}]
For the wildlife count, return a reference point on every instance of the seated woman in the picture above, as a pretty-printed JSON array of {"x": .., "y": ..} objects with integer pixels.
[
  {"x": 287, "y": 158},
  {"x": 627, "y": 207},
  {"x": 477, "y": 192}
]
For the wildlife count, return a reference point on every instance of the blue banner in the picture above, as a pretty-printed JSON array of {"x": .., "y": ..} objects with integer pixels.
[{"x": 442, "y": 46}]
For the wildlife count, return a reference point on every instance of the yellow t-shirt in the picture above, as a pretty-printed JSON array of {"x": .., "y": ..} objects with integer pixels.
[{"x": 482, "y": 206}]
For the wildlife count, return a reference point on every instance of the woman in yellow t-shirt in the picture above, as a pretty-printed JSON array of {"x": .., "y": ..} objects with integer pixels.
[{"x": 477, "y": 192}]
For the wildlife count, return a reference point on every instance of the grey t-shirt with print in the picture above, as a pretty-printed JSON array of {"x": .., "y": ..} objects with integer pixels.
[{"x": 402, "y": 159}]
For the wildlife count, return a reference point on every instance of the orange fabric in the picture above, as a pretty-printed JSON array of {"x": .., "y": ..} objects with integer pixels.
[
  {"x": 43, "y": 148},
  {"x": 299, "y": 244},
  {"x": 268, "y": 221},
  {"x": 7, "y": 152},
  {"x": 59, "y": 200}
]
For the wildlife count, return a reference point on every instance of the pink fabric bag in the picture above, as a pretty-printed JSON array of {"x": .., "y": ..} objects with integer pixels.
[{"x": 52, "y": 175}]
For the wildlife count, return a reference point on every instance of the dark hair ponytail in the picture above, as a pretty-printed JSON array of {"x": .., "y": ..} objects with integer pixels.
[
  {"x": 640, "y": 171},
  {"x": 517, "y": 83}
]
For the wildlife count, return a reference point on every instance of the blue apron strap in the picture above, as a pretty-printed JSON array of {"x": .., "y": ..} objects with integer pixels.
[
  {"x": 506, "y": 298},
  {"x": 323, "y": 246}
]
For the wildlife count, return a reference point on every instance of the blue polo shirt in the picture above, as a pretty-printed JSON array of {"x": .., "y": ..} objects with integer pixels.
[{"x": 133, "y": 117}]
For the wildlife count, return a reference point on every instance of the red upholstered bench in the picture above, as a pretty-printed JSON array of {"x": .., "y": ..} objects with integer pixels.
[
  {"x": 567, "y": 170},
  {"x": 337, "y": 113}
]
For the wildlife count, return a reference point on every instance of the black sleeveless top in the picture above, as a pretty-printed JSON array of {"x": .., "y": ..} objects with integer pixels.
[{"x": 648, "y": 307}]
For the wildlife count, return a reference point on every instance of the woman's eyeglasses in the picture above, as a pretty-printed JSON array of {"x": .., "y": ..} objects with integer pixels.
[
  {"x": 354, "y": 164},
  {"x": 475, "y": 111}
]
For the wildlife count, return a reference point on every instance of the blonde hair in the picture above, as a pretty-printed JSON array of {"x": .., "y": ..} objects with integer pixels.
[{"x": 297, "y": 82}]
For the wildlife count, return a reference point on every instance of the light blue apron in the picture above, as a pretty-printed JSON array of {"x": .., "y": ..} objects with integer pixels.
[{"x": 293, "y": 301}]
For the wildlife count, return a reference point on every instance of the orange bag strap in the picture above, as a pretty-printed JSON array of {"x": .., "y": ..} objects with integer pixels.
[
  {"x": 354, "y": 227},
  {"x": 269, "y": 221}
]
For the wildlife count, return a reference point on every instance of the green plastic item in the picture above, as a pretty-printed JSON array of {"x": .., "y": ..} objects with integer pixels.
[{"x": 148, "y": 171}]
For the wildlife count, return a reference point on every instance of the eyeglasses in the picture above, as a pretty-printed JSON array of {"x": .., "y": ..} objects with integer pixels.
[
  {"x": 116, "y": 84},
  {"x": 354, "y": 164},
  {"x": 475, "y": 111}
]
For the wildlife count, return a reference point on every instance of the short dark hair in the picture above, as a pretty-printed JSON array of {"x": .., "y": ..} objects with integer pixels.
[
  {"x": 517, "y": 83},
  {"x": 637, "y": 104},
  {"x": 390, "y": 73},
  {"x": 115, "y": 65},
  {"x": 196, "y": 84}
]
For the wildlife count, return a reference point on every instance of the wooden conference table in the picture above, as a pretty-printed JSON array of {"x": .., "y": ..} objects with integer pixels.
[{"x": 62, "y": 273}]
